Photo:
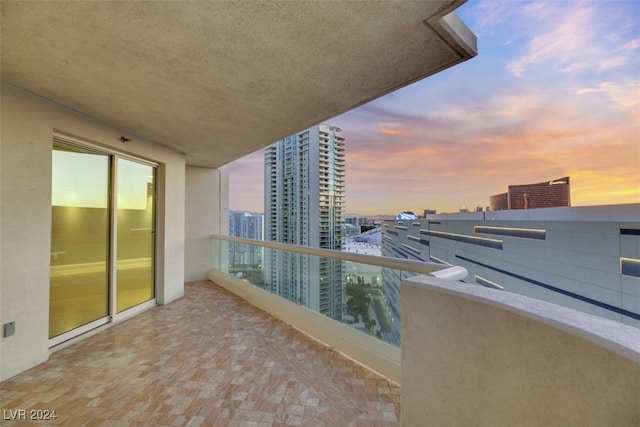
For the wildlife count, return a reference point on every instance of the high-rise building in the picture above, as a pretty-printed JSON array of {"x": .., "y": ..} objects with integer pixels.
[
  {"x": 249, "y": 226},
  {"x": 304, "y": 194},
  {"x": 547, "y": 194},
  {"x": 245, "y": 224}
]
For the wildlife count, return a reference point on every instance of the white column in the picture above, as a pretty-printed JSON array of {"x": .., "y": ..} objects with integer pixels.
[{"x": 207, "y": 213}]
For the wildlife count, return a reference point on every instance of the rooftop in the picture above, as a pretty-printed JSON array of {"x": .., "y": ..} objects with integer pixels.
[{"x": 210, "y": 358}]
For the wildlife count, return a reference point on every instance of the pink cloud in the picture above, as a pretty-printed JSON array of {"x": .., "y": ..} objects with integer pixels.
[{"x": 394, "y": 132}]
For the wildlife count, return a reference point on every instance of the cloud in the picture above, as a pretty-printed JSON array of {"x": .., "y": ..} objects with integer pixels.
[
  {"x": 561, "y": 44},
  {"x": 490, "y": 14},
  {"x": 395, "y": 132},
  {"x": 602, "y": 87},
  {"x": 568, "y": 37},
  {"x": 631, "y": 45},
  {"x": 622, "y": 97},
  {"x": 517, "y": 138}
]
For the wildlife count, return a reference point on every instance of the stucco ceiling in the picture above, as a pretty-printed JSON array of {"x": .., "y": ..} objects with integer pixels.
[{"x": 218, "y": 80}]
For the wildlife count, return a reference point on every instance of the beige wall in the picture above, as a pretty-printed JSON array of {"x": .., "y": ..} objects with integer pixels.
[
  {"x": 28, "y": 123},
  {"x": 482, "y": 357},
  {"x": 207, "y": 213}
]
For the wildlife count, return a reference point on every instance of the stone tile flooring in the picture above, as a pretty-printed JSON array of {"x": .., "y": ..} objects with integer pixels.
[{"x": 209, "y": 359}]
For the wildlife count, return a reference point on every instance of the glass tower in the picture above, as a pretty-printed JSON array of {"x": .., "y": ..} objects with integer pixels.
[{"x": 304, "y": 195}]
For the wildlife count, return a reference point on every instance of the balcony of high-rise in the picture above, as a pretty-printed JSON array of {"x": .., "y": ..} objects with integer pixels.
[{"x": 119, "y": 120}]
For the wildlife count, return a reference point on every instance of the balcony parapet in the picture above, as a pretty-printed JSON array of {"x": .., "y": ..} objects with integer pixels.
[{"x": 479, "y": 356}]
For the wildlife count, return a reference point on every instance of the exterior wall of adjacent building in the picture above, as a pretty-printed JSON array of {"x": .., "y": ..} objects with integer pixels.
[
  {"x": 585, "y": 258},
  {"x": 304, "y": 191},
  {"x": 28, "y": 124}
]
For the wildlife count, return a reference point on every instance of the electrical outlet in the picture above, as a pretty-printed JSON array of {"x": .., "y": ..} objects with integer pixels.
[{"x": 9, "y": 329}]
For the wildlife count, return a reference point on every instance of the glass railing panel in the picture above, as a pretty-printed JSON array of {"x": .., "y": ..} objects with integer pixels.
[
  {"x": 221, "y": 255},
  {"x": 362, "y": 295}
]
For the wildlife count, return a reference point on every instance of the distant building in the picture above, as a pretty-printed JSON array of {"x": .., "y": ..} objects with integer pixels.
[
  {"x": 499, "y": 202},
  {"x": 349, "y": 230},
  {"x": 547, "y": 194},
  {"x": 245, "y": 224},
  {"x": 429, "y": 212},
  {"x": 249, "y": 226},
  {"x": 304, "y": 194},
  {"x": 352, "y": 220}
]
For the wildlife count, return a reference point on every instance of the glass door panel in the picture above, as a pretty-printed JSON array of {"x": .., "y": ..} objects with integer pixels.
[
  {"x": 135, "y": 278},
  {"x": 79, "y": 238}
]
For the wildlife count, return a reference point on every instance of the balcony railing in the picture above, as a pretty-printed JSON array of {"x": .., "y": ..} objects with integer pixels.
[{"x": 364, "y": 289}]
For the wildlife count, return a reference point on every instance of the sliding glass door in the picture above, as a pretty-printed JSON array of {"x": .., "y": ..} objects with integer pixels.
[
  {"x": 79, "y": 286},
  {"x": 135, "y": 243},
  {"x": 102, "y": 247}
]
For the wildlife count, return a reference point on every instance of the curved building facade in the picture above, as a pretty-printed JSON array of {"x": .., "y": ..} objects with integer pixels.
[{"x": 548, "y": 194}]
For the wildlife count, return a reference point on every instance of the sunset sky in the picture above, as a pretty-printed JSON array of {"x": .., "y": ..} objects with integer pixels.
[{"x": 553, "y": 92}]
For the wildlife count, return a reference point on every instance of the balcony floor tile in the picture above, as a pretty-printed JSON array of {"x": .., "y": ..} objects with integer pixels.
[{"x": 209, "y": 359}]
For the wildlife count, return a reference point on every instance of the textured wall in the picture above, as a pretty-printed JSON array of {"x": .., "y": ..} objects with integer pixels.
[
  {"x": 28, "y": 126},
  {"x": 206, "y": 214},
  {"x": 476, "y": 356}
]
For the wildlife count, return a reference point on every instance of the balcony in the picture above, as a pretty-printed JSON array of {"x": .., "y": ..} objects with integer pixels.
[
  {"x": 177, "y": 360},
  {"x": 210, "y": 358},
  {"x": 469, "y": 355}
]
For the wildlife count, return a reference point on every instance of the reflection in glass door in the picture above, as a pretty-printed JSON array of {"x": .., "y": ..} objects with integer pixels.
[
  {"x": 135, "y": 279},
  {"x": 79, "y": 238}
]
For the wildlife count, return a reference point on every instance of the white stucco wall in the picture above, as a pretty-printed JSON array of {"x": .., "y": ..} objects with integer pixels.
[
  {"x": 483, "y": 357},
  {"x": 28, "y": 123},
  {"x": 207, "y": 213}
]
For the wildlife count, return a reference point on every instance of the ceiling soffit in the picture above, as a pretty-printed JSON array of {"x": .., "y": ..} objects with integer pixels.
[{"x": 219, "y": 80}]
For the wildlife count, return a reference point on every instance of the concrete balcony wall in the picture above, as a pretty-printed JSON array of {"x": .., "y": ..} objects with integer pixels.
[
  {"x": 477, "y": 356},
  {"x": 207, "y": 213},
  {"x": 28, "y": 125}
]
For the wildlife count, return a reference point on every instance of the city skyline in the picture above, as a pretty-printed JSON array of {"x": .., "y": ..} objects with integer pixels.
[{"x": 554, "y": 91}]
